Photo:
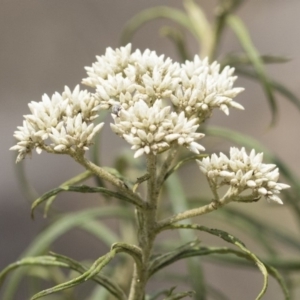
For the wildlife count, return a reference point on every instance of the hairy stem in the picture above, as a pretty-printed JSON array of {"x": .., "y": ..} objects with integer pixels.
[
  {"x": 102, "y": 173},
  {"x": 146, "y": 233},
  {"x": 214, "y": 205}
]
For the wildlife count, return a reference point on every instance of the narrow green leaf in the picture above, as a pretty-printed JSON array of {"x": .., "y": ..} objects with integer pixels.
[
  {"x": 222, "y": 11},
  {"x": 202, "y": 28},
  {"x": 232, "y": 240},
  {"x": 90, "y": 273},
  {"x": 278, "y": 87},
  {"x": 261, "y": 231},
  {"x": 162, "y": 260},
  {"x": 242, "y": 59},
  {"x": 45, "y": 260},
  {"x": 150, "y": 14},
  {"x": 80, "y": 189},
  {"x": 75, "y": 180},
  {"x": 57, "y": 229},
  {"x": 242, "y": 34},
  {"x": 104, "y": 281}
]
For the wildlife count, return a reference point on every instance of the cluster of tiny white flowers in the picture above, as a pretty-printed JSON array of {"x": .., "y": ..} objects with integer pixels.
[
  {"x": 123, "y": 77},
  {"x": 242, "y": 172},
  {"x": 203, "y": 87},
  {"x": 154, "y": 128},
  {"x": 155, "y": 103},
  {"x": 195, "y": 87},
  {"x": 58, "y": 123}
]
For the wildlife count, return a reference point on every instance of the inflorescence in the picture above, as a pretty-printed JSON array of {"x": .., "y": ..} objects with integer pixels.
[
  {"x": 243, "y": 172},
  {"x": 155, "y": 103}
]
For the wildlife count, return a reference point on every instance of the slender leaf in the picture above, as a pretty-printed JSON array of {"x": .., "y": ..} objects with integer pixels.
[
  {"x": 45, "y": 260},
  {"x": 222, "y": 11},
  {"x": 242, "y": 33},
  {"x": 75, "y": 180},
  {"x": 160, "y": 261},
  {"x": 150, "y": 14},
  {"x": 91, "y": 272},
  {"x": 80, "y": 189},
  {"x": 232, "y": 240},
  {"x": 201, "y": 27},
  {"x": 104, "y": 281},
  {"x": 260, "y": 230},
  {"x": 242, "y": 59},
  {"x": 57, "y": 229},
  {"x": 278, "y": 87}
]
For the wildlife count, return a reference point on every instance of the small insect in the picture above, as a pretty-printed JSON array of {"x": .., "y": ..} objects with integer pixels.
[{"x": 116, "y": 108}]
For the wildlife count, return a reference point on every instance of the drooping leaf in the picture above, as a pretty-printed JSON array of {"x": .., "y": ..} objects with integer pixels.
[
  {"x": 57, "y": 229},
  {"x": 162, "y": 260},
  {"x": 232, "y": 240},
  {"x": 101, "y": 279},
  {"x": 278, "y": 87},
  {"x": 75, "y": 180},
  {"x": 81, "y": 189},
  {"x": 89, "y": 274},
  {"x": 44, "y": 260},
  {"x": 202, "y": 27},
  {"x": 150, "y": 14}
]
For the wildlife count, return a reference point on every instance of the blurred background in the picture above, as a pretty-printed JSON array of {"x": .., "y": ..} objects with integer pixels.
[{"x": 45, "y": 44}]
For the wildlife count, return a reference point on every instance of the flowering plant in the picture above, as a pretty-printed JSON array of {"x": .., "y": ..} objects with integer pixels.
[{"x": 159, "y": 107}]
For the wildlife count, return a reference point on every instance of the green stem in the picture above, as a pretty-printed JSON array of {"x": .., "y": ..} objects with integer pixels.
[
  {"x": 214, "y": 205},
  {"x": 102, "y": 173},
  {"x": 146, "y": 233}
]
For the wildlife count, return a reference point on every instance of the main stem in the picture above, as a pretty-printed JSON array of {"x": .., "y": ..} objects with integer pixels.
[{"x": 146, "y": 233}]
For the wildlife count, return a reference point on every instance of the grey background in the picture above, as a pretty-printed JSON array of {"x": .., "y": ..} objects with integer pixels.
[{"x": 44, "y": 45}]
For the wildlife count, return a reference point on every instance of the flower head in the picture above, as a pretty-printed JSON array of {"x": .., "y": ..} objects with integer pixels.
[
  {"x": 244, "y": 172},
  {"x": 59, "y": 123},
  {"x": 196, "y": 87},
  {"x": 154, "y": 128},
  {"x": 204, "y": 87}
]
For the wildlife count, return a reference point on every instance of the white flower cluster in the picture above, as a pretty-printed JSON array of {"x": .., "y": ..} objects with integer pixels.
[
  {"x": 135, "y": 83},
  {"x": 154, "y": 128},
  {"x": 203, "y": 87},
  {"x": 58, "y": 123},
  {"x": 155, "y": 102},
  {"x": 243, "y": 172},
  {"x": 195, "y": 87}
]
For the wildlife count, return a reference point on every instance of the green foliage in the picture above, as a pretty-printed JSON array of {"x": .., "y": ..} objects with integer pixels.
[{"x": 131, "y": 212}]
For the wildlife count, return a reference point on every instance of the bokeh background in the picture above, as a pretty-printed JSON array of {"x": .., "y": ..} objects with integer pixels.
[{"x": 45, "y": 44}]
